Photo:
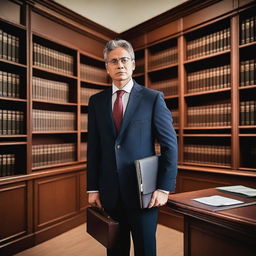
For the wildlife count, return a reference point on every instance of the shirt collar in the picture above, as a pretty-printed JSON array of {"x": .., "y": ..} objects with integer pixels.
[{"x": 127, "y": 88}]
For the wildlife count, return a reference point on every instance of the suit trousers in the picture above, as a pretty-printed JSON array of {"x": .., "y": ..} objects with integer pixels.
[{"x": 141, "y": 224}]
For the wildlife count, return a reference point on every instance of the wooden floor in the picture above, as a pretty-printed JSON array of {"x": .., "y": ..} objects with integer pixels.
[{"x": 77, "y": 242}]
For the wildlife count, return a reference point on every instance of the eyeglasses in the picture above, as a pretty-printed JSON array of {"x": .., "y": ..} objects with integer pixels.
[{"x": 124, "y": 61}]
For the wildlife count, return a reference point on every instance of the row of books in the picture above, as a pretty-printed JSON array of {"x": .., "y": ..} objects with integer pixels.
[
  {"x": 175, "y": 117},
  {"x": 93, "y": 73},
  {"x": 50, "y": 90},
  {"x": 51, "y": 59},
  {"x": 45, "y": 120},
  {"x": 247, "y": 72},
  {"x": 163, "y": 57},
  {"x": 9, "y": 84},
  {"x": 86, "y": 93},
  {"x": 209, "y": 44},
  {"x": 248, "y": 30},
  {"x": 11, "y": 122},
  {"x": 207, "y": 154},
  {"x": 169, "y": 86},
  {"x": 209, "y": 79},
  {"x": 50, "y": 154},
  {"x": 84, "y": 121},
  {"x": 83, "y": 150},
  {"x": 139, "y": 67},
  {"x": 209, "y": 115},
  {"x": 9, "y": 46},
  {"x": 7, "y": 164},
  {"x": 248, "y": 112}
]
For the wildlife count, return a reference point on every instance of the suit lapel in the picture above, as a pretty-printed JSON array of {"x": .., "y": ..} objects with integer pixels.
[{"x": 133, "y": 102}]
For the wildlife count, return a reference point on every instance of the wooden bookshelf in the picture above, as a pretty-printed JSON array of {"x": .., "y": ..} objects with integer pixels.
[
  {"x": 201, "y": 55},
  {"x": 214, "y": 103},
  {"x": 140, "y": 63},
  {"x": 45, "y": 83},
  {"x": 204, "y": 71},
  {"x": 13, "y": 68}
]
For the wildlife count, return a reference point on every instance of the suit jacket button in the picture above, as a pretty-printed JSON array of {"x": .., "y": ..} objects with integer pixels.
[{"x": 118, "y": 146}]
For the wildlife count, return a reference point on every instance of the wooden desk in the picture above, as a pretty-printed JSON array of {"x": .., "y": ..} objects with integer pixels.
[{"x": 229, "y": 232}]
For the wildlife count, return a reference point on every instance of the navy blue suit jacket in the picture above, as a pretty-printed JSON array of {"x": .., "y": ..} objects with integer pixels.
[{"x": 110, "y": 166}]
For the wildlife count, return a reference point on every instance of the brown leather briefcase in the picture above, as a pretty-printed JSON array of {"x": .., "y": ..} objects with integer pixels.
[{"x": 102, "y": 227}]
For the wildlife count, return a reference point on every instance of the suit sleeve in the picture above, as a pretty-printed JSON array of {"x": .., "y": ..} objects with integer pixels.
[
  {"x": 167, "y": 138},
  {"x": 93, "y": 152}
]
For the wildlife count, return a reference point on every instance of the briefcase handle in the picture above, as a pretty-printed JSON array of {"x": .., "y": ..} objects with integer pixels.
[{"x": 101, "y": 211}]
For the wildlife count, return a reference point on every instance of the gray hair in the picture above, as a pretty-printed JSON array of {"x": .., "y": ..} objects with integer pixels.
[{"x": 118, "y": 43}]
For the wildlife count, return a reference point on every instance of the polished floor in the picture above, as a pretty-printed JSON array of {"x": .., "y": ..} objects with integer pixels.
[{"x": 77, "y": 242}]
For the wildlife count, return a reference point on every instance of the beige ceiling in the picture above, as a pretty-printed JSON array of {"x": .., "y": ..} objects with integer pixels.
[{"x": 119, "y": 15}]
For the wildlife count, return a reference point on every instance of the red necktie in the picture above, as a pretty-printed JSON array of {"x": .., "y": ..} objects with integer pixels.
[{"x": 118, "y": 109}]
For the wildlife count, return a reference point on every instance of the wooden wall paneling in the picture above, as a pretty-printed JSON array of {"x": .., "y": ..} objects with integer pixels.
[
  {"x": 13, "y": 213},
  {"x": 66, "y": 35},
  {"x": 16, "y": 217},
  {"x": 83, "y": 196},
  {"x": 208, "y": 13},
  {"x": 189, "y": 181},
  {"x": 56, "y": 205},
  {"x": 55, "y": 199},
  {"x": 243, "y": 180},
  {"x": 30, "y": 209}
]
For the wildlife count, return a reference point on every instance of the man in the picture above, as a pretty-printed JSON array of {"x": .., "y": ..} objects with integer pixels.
[{"x": 123, "y": 124}]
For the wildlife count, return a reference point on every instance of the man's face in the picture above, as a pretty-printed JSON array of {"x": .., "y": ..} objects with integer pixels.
[{"x": 120, "y": 66}]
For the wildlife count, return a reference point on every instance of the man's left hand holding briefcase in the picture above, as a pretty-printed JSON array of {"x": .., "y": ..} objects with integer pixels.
[{"x": 102, "y": 227}]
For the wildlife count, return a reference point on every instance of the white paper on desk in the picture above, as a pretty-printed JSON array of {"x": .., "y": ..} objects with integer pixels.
[
  {"x": 217, "y": 200},
  {"x": 239, "y": 189}
]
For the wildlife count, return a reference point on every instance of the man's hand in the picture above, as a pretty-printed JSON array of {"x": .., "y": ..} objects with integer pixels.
[
  {"x": 94, "y": 199},
  {"x": 159, "y": 198}
]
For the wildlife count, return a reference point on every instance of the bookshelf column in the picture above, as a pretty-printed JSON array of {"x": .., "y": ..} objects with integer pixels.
[
  {"x": 30, "y": 212},
  {"x": 235, "y": 151},
  {"x": 146, "y": 67},
  {"x": 181, "y": 88},
  {"x": 78, "y": 120},
  {"x": 29, "y": 89}
]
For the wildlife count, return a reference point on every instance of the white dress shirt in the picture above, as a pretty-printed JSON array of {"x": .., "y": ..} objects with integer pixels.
[{"x": 127, "y": 88}]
